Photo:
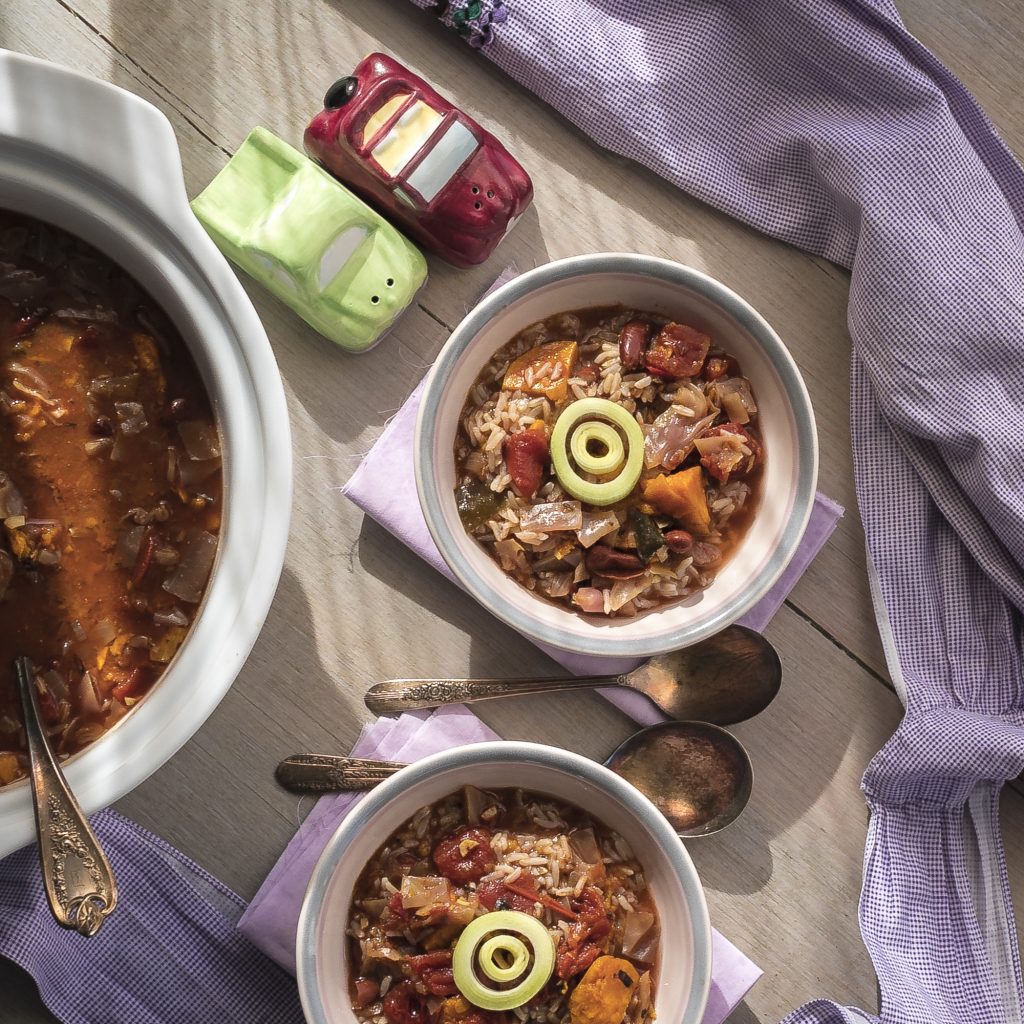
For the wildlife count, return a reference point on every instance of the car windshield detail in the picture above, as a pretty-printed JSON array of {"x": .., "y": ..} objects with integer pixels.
[
  {"x": 407, "y": 137},
  {"x": 340, "y": 251},
  {"x": 438, "y": 166},
  {"x": 380, "y": 117}
]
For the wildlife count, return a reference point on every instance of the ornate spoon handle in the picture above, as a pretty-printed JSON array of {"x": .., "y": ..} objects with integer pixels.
[
  {"x": 325, "y": 773},
  {"x": 79, "y": 883},
  {"x": 409, "y": 694}
]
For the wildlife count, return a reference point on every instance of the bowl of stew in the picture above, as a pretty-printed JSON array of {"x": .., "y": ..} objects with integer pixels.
[
  {"x": 616, "y": 454},
  {"x": 145, "y": 452},
  {"x": 504, "y": 883}
]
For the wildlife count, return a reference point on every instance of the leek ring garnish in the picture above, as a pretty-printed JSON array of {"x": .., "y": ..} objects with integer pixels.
[
  {"x": 604, "y": 415},
  {"x": 599, "y": 434},
  {"x": 494, "y": 944},
  {"x": 515, "y": 948}
]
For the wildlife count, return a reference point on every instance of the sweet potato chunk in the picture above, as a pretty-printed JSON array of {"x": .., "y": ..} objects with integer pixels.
[
  {"x": 544, "y": 370},
  {"x": 681, "y": 495},
  {"x": 604, "y": 992}
]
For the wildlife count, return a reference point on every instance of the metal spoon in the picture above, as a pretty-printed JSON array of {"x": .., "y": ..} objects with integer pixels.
[
  {"x": 697, "y": 774},
  {"x": 727, "y": 678},
  {"x": 79, "y": 884}
]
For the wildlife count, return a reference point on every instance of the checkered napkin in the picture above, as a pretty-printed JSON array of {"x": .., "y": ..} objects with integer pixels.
[
  {"x": 272, "y": 917},
  {"x": 169, "y": 954}
]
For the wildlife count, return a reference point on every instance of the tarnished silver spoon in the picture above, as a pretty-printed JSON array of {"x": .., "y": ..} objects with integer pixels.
[
  {"x": 697, "y": 774},
  {"x": 80, "y": 886},
  {"x": 727, "y": 678}
]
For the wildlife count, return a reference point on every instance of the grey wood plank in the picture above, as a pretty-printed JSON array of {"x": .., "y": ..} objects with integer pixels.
[{"x": 354, "y": 607}]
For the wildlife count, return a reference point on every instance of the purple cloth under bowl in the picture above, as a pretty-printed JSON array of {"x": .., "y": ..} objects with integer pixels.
[{"x": 397, "y": 508}]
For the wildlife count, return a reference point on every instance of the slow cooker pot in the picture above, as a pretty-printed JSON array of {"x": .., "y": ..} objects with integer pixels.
[{"x": 104, "y": 165}]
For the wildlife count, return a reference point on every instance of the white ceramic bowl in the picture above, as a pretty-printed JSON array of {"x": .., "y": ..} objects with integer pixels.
[
  {"x": 104, "y": 165},
  {"x": 684, "y": 970},
  {"x": 786, "y": 421}
]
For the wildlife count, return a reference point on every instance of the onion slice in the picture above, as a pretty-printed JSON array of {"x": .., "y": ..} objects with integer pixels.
[{"x": 188, "y": 580}]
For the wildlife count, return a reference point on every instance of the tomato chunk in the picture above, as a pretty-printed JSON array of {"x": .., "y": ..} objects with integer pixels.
[
  {"x": 496, "y": 895},
  {"x": 465, "y": 855},
  {"x": 404, "y": 1005},
  {"x": 573, "y": 960},
  {"x": 677, "y": 351},
  {"x": 435, "y": 971},
  {"x": 725, "y": 463},
  {"x": 585, "y": 940}
]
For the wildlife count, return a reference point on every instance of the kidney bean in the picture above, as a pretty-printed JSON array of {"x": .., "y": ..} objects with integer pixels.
[
  {"x": 367, "y": 991},
  {"x": 633, "y": 340},
  {"x": 25, "y": 326},
  {"x": 174, "y": 411},
  {"x": 677, "y": 351},
  {"x": 526, "y": 455},
  {"x": 589, "y": 599},
  {"x": 588, "y": 372},
  {"x": 679, "y": 541},
  {"x": 706, "y": 554},
  {"x": 602, "y": 560}
]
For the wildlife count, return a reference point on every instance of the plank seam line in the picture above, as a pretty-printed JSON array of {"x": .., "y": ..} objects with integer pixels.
[
  {"x": 181, "y": 105},
  {"x": 433, "y": 316},
  {"x": 842, "y": 647}
]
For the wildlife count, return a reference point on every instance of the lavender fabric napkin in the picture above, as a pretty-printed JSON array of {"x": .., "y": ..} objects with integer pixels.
[
  {"x": 397, "y": 508},
  {"x": 272, "y": 918},
  {"x": 169, "y": 954}
]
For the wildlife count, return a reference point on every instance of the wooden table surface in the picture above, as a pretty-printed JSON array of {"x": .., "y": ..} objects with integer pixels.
[{"x": 354, "y": 606}]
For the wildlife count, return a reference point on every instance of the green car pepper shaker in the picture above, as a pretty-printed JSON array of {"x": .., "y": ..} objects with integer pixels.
[{"x": 307, "y": 239}]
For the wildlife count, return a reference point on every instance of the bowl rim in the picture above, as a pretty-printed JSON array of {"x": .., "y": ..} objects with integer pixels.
[
  {"x": 466, "y": 756},
  {"x": 608, "y": 644}
]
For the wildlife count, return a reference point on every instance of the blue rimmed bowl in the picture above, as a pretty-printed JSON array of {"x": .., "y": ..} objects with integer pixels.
[
  {"x": 786, "y": 422},
  {"x": 684, "y": 965}
]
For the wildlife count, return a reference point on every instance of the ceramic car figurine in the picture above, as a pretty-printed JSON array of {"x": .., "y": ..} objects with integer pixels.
[
  {"x": 344, "y": 269},
  {"x": 425, "y": 164}
]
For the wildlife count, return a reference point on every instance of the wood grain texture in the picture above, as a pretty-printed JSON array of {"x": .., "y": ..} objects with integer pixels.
[{"x": 354, "y": 606}]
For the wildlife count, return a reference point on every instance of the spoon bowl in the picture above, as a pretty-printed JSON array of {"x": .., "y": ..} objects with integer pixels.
[{"x": 697, "y": 774}]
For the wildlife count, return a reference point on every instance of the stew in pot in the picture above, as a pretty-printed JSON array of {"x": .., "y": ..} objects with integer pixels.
[{"x": 110, "y": 487}]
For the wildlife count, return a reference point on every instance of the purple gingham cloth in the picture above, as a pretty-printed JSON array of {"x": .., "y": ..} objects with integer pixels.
[
  {"x": 170, "y": 953},
  {"x": 826, "y": 124}
]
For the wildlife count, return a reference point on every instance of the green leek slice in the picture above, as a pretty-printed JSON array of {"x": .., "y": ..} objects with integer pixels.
[
  {"x": 605, "y": 436},
  {"x": 491, "y": 966},
  {"x": 594, "y": 411},
  {"x": 483, "y": 940}
]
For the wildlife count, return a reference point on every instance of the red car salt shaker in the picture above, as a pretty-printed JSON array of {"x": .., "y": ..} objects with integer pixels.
[{"x": 426, "y": 165}]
